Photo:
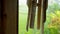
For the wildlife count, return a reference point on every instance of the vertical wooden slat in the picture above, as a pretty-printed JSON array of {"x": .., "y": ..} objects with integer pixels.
[
  {"x": 31, "y": 14},
  {"x": 43, "y": 14},
  {"x": 2, "y": 17},
  {"x": 10, "y": 8},
  {"x": 1, "y": 30},
  {"x": 29, "y": 3},
  {"x": 32, "y": 20},
  {"x": 39, "y": 14},
  {"x": 45, "y": 5}
]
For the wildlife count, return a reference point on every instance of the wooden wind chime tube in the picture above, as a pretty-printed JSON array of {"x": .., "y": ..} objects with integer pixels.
[
  {"x": 45, "y": 5},
  {"x": 31, "y": 13},
  {"x": 41, "y": 14},
  {"x": 40, "y": 6},
  {"x": 32, "y": 20}
]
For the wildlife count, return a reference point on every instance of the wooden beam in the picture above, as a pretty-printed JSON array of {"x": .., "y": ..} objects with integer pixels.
[{"x": 10, "y": 21}]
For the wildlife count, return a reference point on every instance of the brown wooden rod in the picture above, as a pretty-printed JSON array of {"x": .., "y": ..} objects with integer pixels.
[
  {"x": 29, "y": 12},
  {"x": 45, "y": 5},
  {"x": 28, "y": 19},
  {"x": 43, "y": 14},
  {"x": 39, "y": 14},
  {"x": 33, "y": 13}
]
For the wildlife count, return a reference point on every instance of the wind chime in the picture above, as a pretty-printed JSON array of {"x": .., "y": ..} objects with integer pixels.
[{"x": 41, "y": 13}]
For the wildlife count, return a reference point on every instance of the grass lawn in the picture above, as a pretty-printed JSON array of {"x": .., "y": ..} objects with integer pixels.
[
  {"x": 22, "y": 25},
  {"x": 23, "y": 13}
]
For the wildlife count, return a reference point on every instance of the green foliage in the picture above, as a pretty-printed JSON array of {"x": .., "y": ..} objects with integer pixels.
[{"x": 53, "y": 19}]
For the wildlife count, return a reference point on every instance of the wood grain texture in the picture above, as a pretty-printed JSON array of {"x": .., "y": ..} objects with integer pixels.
[{"x": 10, "y": 9}]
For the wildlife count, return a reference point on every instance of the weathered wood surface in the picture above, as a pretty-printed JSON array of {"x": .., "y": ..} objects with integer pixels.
[{"x": 10, "y": 19}]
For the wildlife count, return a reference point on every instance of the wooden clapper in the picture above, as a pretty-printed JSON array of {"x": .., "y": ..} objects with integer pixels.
[{"x": 41, "y": 13}]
